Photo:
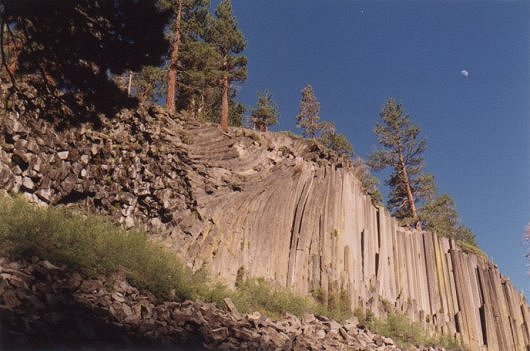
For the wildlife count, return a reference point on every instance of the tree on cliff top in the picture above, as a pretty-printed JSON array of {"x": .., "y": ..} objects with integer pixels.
[
  {"x": 265, "y": 113},
  {"x": 176, "y": 6},
  {"x": 402, "y": 150},
  {"x": 190, "y": 20},
  {"x": 308, "y": 118},
  {"x": 440, "y": 216},
  {"x": 334, "y": 140},
  {"x": 69, "y": 48},
  {"x": 229, "y": 42}
]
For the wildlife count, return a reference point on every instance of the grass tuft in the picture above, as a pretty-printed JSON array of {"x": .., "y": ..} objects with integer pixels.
[
  {"x": 262, "y": 296},
  {"x": 470, "y": 248},
  {"x": 405, "y": 332},
  {"x": 259, "y": 295}
]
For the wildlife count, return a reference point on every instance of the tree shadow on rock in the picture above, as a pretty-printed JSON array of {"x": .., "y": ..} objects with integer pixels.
[{"x": 69, "y": 50}]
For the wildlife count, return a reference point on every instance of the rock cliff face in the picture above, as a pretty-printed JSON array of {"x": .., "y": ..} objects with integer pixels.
[{"x": 262, "y": 205}]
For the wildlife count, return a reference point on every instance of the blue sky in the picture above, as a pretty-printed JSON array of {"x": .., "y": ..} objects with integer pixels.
[{"x": 357, "y": 54}]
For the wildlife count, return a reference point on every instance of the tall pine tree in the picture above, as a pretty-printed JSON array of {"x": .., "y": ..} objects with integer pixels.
[
  {"x": 229, "y": 42},
  {"x": 198, "y": 80},
  {"x": 184, "y": 71},
  {"x": 173, "y": 57},
  {"x": 187, "y": 28},
  {"x": 308, "y": 118},
  {"x": 402, "y": 151}
]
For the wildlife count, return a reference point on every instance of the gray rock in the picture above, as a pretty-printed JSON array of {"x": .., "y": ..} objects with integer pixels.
[
  {"x": 63, "y": 155},
  {"x": 321, "y": 334},
  {"x": 44, "y": 194},
  {"x": 28, "y": 183}
]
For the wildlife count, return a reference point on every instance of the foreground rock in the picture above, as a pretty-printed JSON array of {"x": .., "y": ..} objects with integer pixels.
[{"x": 47, "y": 307}]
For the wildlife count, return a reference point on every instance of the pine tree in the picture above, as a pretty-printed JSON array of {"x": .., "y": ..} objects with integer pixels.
[
  {"x": 236, "y": 111},
  {"x": 229, "y": 42},
  {"x": 333, "y": 140},
  {"x": 175, "y": 45},
  {"x": 198, "y": 80},
  {"x": 402, "y": 150},
  {"x": 265, "y": 113},
  {"x": 440, "y": 216},
  {"x": 189, "y": 24},
  {"x": 308, "y": 118}
]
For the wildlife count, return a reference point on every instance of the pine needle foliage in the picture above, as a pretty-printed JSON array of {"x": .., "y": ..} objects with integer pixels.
[
  {"x": 229, "y": 42},
  {"x": 308, "y": 118},
  {"x": 440, "y": 216},
  {"x": 266, "y": 113},
  {"x": 334, "y": 140}
]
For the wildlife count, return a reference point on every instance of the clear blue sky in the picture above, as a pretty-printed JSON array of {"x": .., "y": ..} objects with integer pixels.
[{"x": 357, "y": 54}]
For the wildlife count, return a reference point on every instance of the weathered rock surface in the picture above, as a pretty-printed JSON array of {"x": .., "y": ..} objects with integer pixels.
[
  {"x": 48, "y": 307},
  {"x": 266, "y": 205}
]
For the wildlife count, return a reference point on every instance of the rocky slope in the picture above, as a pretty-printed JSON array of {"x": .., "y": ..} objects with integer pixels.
[
  {"x": 262, "y": 205},
  {"x": 48, "y": 307}
]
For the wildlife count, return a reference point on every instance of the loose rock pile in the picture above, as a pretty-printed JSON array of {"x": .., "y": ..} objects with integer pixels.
[
  {"x": 132, "y": 168},
  {"x": 44, "y": 306}
]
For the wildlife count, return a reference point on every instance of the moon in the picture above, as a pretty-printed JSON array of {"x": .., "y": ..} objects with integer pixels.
[{"x": 465, "y": 73}]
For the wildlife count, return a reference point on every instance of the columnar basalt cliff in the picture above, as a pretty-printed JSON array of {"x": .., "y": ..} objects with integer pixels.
[{"x": 262, "y": 205}]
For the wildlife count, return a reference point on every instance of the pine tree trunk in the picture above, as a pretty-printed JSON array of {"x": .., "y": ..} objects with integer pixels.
[
  {"x": 224, "y": 104},
  {"x": 172, "y": 71},
  {"x": 410, "y": 197}
]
